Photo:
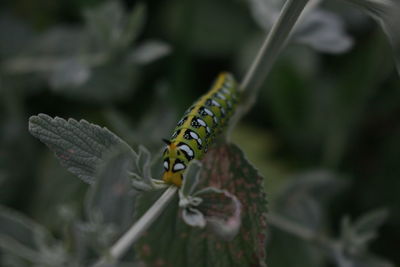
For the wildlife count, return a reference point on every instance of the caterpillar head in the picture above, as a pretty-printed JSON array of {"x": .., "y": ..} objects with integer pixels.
[{"x": 174, "y": 163}]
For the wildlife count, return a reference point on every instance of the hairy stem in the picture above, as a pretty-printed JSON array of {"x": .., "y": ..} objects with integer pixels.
[{"x": 132, "y": 235}]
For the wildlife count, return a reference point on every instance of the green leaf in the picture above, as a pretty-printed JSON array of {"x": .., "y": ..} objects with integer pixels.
[
  {"x": 96, "y": 84},
  {"x": 112, "y": 198},
  {"x": 22, "y": 237},
  {"x": 104, "y": 23},
  {"x": 226, "y": 168},
  {"x": 69, "y": 73},
  {"x": 352, "y": 247},
  {"x": 112, "y": 27},
  {"x": 386, "y": 13},
  {"x": 305, "y": 197},
  {"x": 356, "y": 237},
  {"x": 141, "y": 177},
  {"x": 149, "y": 51},
  {"x": 79, "y": 146},
  {"x": 134, "y": 24}
]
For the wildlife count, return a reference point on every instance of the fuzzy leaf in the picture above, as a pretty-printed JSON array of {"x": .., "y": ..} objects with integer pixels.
[
  {"x": 111, "y": 197},
  {"x": 225, "y": 168},
  {"x": 149, "y": 51},
  {"x": 141, "y": 177},
  {"x": 134, "y": 24},
  {"x": 357, "y": 236},
  {"x": 79, "y": 146},
  {"x": 112, "y": 27},
  {"x": 69, "y": 73},
  {"x": 352, "y": 249},
  {"x": 222, "y": 211},
  {"x": 216, "y": 208},
  {"x": 322, "y": 30},
  {"x": 386, "y": 13},
  {"x": 104, "y": 23},
  {"x": 22, "y": 237},
  {"x": 304, "y": 197}
]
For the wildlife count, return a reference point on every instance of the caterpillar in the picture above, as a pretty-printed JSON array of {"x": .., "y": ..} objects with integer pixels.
[{"x": 198, "y": 128}]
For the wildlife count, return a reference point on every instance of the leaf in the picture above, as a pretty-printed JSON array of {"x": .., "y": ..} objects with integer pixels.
[
  {"x": 22, "y": 237},
  {"x": 305, "y": 197},
  {"x": 134, "y": 24},
  {"x": 104, "y": 23},
  {"x": 112, "y": 198},
  {"x": 318, "y": 28},
  {"x": 386, "y": 13},
  {"x": 111, "y": 27},
  {"x": 79, "y": 146},
  {"x": 100, "y": 85},
  {"x": 225, "y": 168},
  {"x": 149, "y": 51},
  {"x": 212, "y": 207},
  {"x": 222, "y": 211},
  {"x": 69, "y": 73},
  {"x": 57, "y": 42},
  {"x": 356, "y": 236},
  {"x": 141, "y": 177},
  {"x": 324, "y": 31}
]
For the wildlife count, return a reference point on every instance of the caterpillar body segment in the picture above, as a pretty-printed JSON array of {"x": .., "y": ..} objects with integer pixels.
[{"x": 199, "y": 127}]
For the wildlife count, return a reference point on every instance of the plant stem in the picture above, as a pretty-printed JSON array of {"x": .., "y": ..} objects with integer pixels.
[
  {"x": 274, "y": 43},
  {"x": 269, "y": 51},
  {"x": 299, "y": 231},
  {"x": 121, "y": 246}
]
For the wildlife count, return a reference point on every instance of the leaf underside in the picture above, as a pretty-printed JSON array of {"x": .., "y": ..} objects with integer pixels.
[{"x": 170, "y": 242}]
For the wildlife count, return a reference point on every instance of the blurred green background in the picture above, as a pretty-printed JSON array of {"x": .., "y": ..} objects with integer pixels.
[{"x": 322, "y": 114}]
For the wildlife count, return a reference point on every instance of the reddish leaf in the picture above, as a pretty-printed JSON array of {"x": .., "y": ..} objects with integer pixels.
[{"x": 171, "y": 242}]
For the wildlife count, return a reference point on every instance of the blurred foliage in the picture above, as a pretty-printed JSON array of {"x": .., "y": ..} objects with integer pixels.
[{"x": 325, "y": 131}]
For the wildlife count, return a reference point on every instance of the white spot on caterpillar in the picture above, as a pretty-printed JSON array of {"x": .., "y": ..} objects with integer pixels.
[
  {"x": 187, "y": 149},
  {"x": 225, "y": 91},
  {"x": 222, "y": 111},
  {"x": 221, "y": 96},
  {"x": 215, "y": 120},
  {"x": 209, "y": 112},
  {"x": 166, "y": 165},
  {"x": 194, "y": 135},
  {"x": 215, "y": 103},
  {"x": 201, "y": 122},
  {"x": 179, "y": 166}
]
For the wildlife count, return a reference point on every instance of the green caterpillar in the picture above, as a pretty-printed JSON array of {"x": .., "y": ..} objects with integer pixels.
[{"x": 198, "y": 128}]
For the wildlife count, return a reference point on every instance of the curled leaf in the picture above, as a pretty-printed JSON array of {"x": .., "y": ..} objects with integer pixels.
[
  {"x": 213, "y": 207},
  {"x": 386, "y": 13},
  {"x": 141, "y": 177},
  {"x": 221, "y": 210},
  {"x": 319, "y": 28}
]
